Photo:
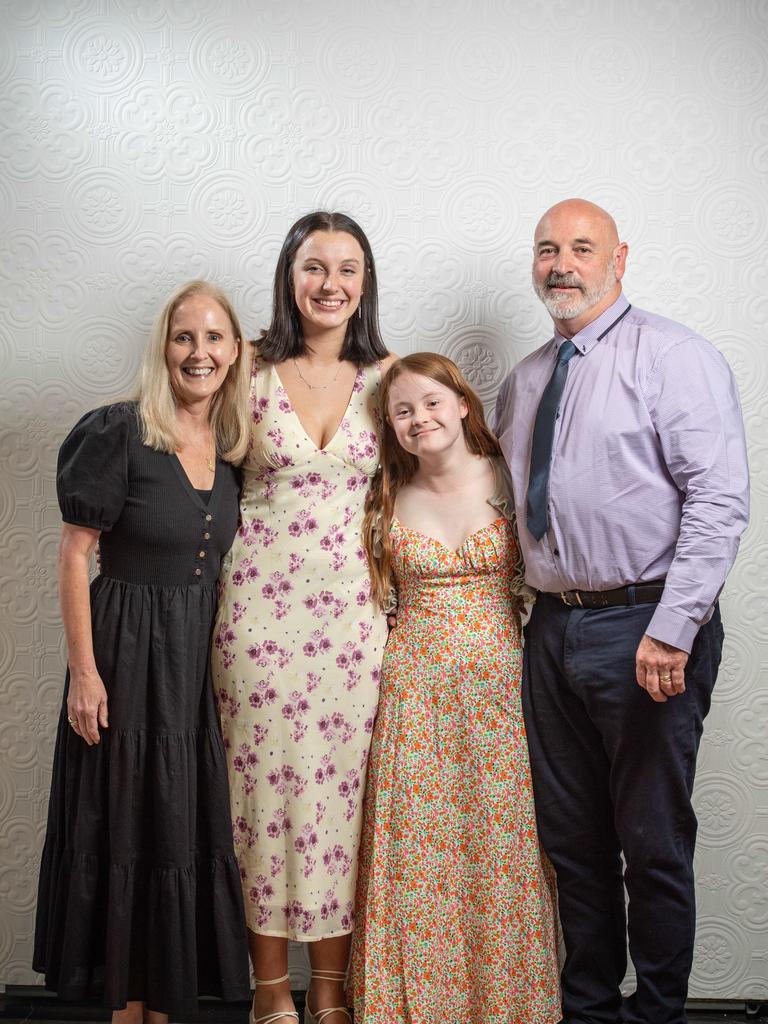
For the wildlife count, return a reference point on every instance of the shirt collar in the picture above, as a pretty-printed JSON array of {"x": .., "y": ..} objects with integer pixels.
[{"x": 589, "y": 336}]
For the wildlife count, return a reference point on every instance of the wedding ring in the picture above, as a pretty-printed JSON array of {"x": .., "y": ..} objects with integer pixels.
[{"x": 665, "y": 679}]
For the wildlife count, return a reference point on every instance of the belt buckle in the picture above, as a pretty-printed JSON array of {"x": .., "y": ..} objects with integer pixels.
[{"x": 564, "y": 598}]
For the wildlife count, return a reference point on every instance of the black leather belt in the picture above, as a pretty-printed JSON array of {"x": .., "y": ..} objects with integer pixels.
[{"x": 644, "y": 593}]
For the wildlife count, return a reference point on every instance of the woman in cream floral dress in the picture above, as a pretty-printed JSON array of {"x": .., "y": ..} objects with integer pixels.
[{"x": 298, "y": 642}]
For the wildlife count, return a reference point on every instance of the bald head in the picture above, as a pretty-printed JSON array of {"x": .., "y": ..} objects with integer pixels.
[
  {"x": 578, "y": 263},
  {"x": 594, "y": 218}
]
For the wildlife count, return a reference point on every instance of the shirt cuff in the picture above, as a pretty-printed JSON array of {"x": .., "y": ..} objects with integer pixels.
[{"x": 670, "y": 627}]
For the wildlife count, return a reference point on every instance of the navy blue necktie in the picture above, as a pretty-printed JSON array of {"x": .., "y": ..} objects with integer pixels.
[{"x": 541, "y": 446}]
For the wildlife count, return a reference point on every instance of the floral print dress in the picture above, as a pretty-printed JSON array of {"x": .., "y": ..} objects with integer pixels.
[
  {"x": 296, "y": 656},
  {"x": 456, "y": 911}
]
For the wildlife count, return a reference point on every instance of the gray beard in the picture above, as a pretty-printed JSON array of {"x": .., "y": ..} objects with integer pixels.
[{"x": 567, "y": 309}]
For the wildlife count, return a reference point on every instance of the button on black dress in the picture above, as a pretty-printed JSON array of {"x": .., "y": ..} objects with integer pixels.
[{"x": 140, "y": 894}]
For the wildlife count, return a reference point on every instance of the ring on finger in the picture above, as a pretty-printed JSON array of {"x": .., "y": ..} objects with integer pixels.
[
  {"x": 71, "y": 720},
  {"x": 665, "y": 679}
]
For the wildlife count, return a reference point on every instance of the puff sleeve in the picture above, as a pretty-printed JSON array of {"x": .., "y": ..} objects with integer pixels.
[{"x": 92, "y": 468}]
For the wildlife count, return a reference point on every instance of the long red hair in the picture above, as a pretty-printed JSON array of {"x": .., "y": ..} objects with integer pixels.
[{"x": 397, "y": 466}]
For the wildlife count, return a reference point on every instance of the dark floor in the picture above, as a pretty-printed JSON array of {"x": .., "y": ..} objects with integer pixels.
[{"x": 20, "y": 1005}]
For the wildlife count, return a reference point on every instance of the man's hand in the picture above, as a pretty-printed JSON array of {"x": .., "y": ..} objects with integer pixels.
[{"x": 660, "y": 668}]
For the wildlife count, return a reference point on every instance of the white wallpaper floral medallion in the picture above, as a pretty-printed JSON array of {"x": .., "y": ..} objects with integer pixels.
[{"x": 142, "y": 144}]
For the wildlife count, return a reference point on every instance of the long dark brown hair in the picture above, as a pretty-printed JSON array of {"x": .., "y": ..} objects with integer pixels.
[
  {"x": 397, "y": 466},
  {"x": 283, "y": 339}
]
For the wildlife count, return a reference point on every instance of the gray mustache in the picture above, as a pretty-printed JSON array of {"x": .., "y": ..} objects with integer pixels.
[{"x": 563, "y": 279}]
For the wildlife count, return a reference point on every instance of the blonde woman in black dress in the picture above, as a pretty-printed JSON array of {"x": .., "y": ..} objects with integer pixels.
[{"x": 139, "y": 894}]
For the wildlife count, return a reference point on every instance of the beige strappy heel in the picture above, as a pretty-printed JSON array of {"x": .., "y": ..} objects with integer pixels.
[
  {"x": 320, "y": 1016},
  {"x": 272, "y": 1018}
]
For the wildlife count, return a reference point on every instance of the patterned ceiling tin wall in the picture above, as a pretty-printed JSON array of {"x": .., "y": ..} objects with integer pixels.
[{"x": 143, "y": 143}]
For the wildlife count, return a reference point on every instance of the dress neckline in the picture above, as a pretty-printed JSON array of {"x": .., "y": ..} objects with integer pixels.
[
  {"x": 442, "y": 544},
  {"x": 193, "y": 492},
  {"x": 352, "y": 393}
]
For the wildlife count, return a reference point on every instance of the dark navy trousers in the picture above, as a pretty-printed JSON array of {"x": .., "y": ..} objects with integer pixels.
[{"x": 613, "y": 774}]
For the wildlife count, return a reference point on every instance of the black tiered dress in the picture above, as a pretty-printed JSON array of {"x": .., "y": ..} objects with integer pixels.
[{"x": 140, "y": 894}]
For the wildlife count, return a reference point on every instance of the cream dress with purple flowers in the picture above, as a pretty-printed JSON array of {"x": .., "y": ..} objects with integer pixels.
[{"x": 296, "y": 656}]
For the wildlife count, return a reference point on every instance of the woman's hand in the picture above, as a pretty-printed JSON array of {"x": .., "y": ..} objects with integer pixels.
[{"x": 87, "y": 705}]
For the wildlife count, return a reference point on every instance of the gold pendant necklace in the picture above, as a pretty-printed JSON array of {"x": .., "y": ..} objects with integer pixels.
[{"x": 210, "y": 460}]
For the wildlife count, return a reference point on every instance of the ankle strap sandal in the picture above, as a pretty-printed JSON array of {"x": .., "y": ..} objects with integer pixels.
[
  {"x": 320, "y": 1015},
  {"x": 272, "y": 1018}
]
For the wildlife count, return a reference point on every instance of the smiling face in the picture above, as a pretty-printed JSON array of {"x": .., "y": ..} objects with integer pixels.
[
  {"x": 200, "y": 349},
  {"x": 426, "y": 416},
  {"x": 578, "y": 263},
  {"x": 328, "y": 275}
]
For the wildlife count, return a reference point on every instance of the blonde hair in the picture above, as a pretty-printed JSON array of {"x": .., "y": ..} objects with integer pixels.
[
  {"x": 157, "y": 402},
  {"x": 397, "y": 466}
]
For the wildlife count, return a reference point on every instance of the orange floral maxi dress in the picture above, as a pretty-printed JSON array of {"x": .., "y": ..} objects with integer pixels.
[{"x": 455, "y": 914}]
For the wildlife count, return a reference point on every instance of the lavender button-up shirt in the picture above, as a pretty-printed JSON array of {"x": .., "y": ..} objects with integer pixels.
[{"x": 649, "y": 471}]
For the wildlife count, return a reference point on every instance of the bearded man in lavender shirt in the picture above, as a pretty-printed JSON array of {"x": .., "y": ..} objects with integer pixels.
[{"x": 625, "y": 442}]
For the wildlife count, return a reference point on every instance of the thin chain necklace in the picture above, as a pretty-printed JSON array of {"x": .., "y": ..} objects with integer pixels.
[
  {"x": 316, "y": 387},
  {"x": 210, "y": 460}
]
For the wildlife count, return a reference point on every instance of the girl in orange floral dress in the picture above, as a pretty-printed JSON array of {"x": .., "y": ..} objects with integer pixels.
[{"x": 455, "y": 920}]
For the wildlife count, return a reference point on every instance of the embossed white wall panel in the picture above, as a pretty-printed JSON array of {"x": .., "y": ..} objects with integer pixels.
[{"x": 143, "y": 143}]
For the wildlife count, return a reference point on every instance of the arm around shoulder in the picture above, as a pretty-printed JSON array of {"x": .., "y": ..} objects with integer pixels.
[
  {"x": 502, "y": 501},
  {"x": 387, "y": 361}
]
